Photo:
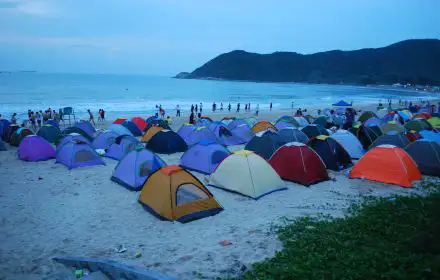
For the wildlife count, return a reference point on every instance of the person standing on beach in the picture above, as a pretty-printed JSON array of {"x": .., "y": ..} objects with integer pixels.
[
  {"x": 102, "y": 115},
  {"x": 245, "y": 107},
  {"x": 91, "y": 118},
  {"x": 192, "y": 108},
  {"x": 177, "y": 110},
  {"x": 257, "y": 109},
  {"x": 271, "y": 106},
  {"x": 201, "y": 108},
  {"x": 39, "y": 119},
  {"x": 229, "y": 107},
  {"x": 292, "y": 104},
  {"x": 213, "y": 107},
  {"x": 191, "y": 118},
  {"x": 238, "y": 107},
  {"x": 249, "y": 106},
  {"x": 221, "y": 106},
  {"x": 197, "y": 108},
  {"x": 14, "y": 118},
  {"x": 33, "y": 120}
]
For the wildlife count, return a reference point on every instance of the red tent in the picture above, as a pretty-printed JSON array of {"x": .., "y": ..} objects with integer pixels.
[
  {"x": 119, "y": 121},
  {"x": 298, "y": 163},
  {"x": 140, "y": 122}
]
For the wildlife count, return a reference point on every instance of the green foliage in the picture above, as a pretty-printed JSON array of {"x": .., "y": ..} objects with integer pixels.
[{"x": 381, "y": 238}]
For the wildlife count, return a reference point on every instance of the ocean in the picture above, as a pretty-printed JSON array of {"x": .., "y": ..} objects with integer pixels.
[{"x": 131, "y": 95}]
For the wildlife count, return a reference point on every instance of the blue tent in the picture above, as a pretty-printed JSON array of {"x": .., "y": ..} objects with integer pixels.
[
  {"x": 430, "y": 135},
  {"x": 342, "y": 103},
  {"x": 134, "y": 129}
]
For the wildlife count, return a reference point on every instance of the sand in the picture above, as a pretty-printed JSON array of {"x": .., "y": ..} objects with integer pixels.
[{"x": 47, "y": 211}]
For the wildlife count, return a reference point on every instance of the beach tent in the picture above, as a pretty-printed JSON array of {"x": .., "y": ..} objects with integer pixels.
[
  {"x": 398, "y": 140},
  {"x": 150, "y": 133},
  {"x": 49, "y": 132},
  {"x": 172, "y": 193},
  {"x": 52, "y": 122},
  {"x": 381, "y": 113},
  {"x": 77, "y": 154},
  {"x": 423, "y": 115},
  {"x": 434, "y": 122},
  {"x": 418, "y": 125},
  {"x": 227, "y": 120},
  {"x": 74, "y": 129},
  {"x": 309, "y": 118},
  {"x": 18, "y": 135},
  {"x": 135, "y": 131},
  {"x": 334, "y": 156},
  {"x": 120, "y": 129},
  {"x": 301, "y": 121},
  {"x": 152, "y": 121},
  {"x": 430, "y": 135},
  {"x": 201, "y": 133},
  {"x": 140, "y": 123},
  {"x": 284, "y": 124},
  {"x": 288, "y": 135},
  {"x": 321, "y": 121},
  {"x": 313, "y": 130},
  {"x": 87, "y": 127},
  {"x": 427, "y": 156},
  {"x": 167, "y": 142},
  {"x": 4, "y": 124},
  {"x": 235, "y": 123},
  {"x": 2, "y": 146},
  {"x": 368, "y": 134},
  {"x": 35, "y": 148},
  {"x": 251, "y": 121},
  {"x": 243, "y": 133},
  {"x": 104, "y": 139},
  {"x": 413, "y": 136},
  {"x": 224, "y": 136},
  {"x": 133, "y": 169},
  {"x": 204, "y": 157},
  {"x": 119, "y": 120},
  {"x": 262, "y": 126},
  {"x": 265, "y": 144},
  {"x": 387, "y": 164},
  {"x": 389, "y": 117},
  {"x": 298, "y": 163},
  {"x": 404, "y": 115},
  {"x": 9, "y": 131},
  {"x": 392, "y": 128},
  {"x": 246, "y": 173},
  {"x": 72, "y": 137},
  {"x": 341, "y": 103},
  {"x": 374, "y": 122},
  {"x": 185, "y": 130},
  {"x": 122, "y": 145},
  {"x": 366, "y": 115},
  {"x": 203, "y": 122},
  {"x": 349, "y": 142}
]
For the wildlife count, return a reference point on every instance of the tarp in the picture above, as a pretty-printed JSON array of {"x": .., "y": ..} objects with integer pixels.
[{"x": 341, "y": 103}]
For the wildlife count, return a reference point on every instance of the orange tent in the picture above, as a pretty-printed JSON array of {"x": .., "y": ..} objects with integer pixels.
[
  {"x": 387, "y": 164},
  {"x": 150, "y": 133},
  {"x": 174, "y": 194},
  {"x": 119, "y": 121},
  {"x": 262, "y": 126}
]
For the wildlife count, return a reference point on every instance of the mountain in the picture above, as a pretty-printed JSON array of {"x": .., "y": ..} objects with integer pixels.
[{"x": 411, "y": 61}]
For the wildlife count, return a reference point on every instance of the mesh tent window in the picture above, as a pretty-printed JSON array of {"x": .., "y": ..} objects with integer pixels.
[
  {"x": 146, "y": 168},
  {"x": 188, "y": 193}
]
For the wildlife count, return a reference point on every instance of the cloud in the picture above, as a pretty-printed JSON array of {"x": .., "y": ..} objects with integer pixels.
[{"x": 39, "y": 8}]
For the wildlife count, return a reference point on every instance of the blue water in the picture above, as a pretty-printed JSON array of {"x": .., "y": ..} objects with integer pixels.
[{"x": 128, "y": 95}]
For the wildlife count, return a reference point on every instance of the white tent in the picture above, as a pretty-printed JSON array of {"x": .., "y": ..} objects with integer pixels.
[
  {"x": 350, "y": 143},
  {"x": 247, "y": 173}
]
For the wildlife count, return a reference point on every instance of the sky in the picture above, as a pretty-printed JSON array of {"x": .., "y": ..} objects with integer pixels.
[{"x": 164, "y": 37}]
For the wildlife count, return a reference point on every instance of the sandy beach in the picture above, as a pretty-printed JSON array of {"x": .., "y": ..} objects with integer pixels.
[{"x": 47, "y": 211}]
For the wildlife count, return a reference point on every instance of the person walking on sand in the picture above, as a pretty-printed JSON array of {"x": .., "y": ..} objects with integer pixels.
[
  {"x": 238, "y": 107},
  {"x": 201, "y": 107},
  {"x": 257, "y": 109},
  {"x": 91, "y": 118},
  {"x": 245, "y": 107},
  {"x": 229, "y": 107},
  {"x": 270, "y": 106},
  {"x": 177, "y": 110}
]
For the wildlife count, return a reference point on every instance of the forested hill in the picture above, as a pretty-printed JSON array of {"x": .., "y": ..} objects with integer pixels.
[{"x": 411, "y": 61}]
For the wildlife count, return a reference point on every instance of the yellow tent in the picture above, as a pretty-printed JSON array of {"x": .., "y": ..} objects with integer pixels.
[
  {"x": 150, "y": 133},
  {"x": 174, "y": 194},
  {"x": 246, "y": 173}
]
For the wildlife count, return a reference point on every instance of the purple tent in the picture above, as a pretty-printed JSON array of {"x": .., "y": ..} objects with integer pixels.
[
  {"x": 35, "y": 148},
  {"x": 104, "y": 139},
  {"x": 225, "y": 137},
  {"x": 77, "y": 154},
  {"x": 87, "y": 127},
  {"x": 200, "y": 134},
  {"x": 374, "y": 122},
  {"x": 232, "y": 125},
  {"x": 204, "y": 157},
  {"x": 132, "y": 171},
  {"x": 186, "y": 130},
  {"x": 72, "y": 137},
  {"x": 283, "y": 124},
  {"x": 123, "y": 145},
  {"x": 243, "y": 132}
]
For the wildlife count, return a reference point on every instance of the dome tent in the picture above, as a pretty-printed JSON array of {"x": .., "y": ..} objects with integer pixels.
[
  {"x": 242, "y": 133},
  {"x": 132, "y": 171},
  {"x": 349, "y": 142},
  {"x": 204, "y": 157},
  {"x": 334, "y": 156},
  {"x": 387, "y": 164},
  {"x": 313, "y": 130},
  {"x": 173, "y": 194},
  {"x": 8, "y": 131},
  {"x": 262, "y": 126},
  {"x": 132, "y": 127},
  {"x": 398, "y": 140},
  {"x": 104, "y": 139},
  {"x": 293, "y": 135},
  {"x": 167, "y": 142},
  {"x": 74, "y": 129},
  {"x": 265, "y": 144},
  {"x": 35, "y": 148},
  {"x": 427, "y": 156},
  {"x": 120, "y": 129},
  {"x": 298, "y": 163},
  {"x": 19, "y": 135},
  {"x": 140, "y": 123},
  {"x": 123, "y": 145},
  {"x": 185, "y": 130},
  {"x": 49, "y": 133},
  {"x": 201, "y": 133},
  {"x": 246, "y": 173},
  {"x": 76, "y": 154},
  {"x": 87, "y": 127},
  {"x": 72, "y": 137},
  {"x": 150, "y": 133}
]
